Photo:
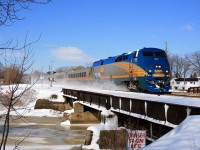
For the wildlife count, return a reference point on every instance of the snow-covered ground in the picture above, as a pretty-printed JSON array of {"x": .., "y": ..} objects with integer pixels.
[
  {"x": 186, "y": 136},
  {"x": 36, "y": 92}
]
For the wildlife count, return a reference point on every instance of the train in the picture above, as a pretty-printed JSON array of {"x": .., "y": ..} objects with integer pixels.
[{"x": 145, "y": 70}]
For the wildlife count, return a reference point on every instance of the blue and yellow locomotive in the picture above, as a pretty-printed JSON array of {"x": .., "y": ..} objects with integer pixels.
[{"x": 146, "y": 69}]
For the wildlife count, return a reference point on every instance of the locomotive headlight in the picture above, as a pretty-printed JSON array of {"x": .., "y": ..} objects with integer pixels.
[
  {"x": 159, "y": 66},
  {"x": 167, "y": 71},
  {"x": 150, "y": 71}
]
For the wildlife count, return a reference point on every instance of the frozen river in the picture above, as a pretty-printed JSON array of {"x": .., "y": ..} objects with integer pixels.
[{"x": 45, "y": 133}]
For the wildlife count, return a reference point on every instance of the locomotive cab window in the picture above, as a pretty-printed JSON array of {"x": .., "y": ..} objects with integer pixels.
[
  {"x": 147, "y": 53},
  {"x": 160, "y": 54},
  {"x": 119, "y": 58}
]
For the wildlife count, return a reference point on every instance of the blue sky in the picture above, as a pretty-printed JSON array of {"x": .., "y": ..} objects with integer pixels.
[{"x": 77, "y": 31}]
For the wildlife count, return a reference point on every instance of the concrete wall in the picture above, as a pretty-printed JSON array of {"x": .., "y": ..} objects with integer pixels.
[
  {"x": 79, "y": 116},
  {"x": 113, "y": 139},
  {"x": 46, "y": 104}
]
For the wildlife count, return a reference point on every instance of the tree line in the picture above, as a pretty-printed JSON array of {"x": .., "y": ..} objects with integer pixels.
[{"x": 185, "y": 66}]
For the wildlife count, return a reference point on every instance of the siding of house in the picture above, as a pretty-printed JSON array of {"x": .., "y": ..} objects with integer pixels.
[{"x": 180, "y": 84}]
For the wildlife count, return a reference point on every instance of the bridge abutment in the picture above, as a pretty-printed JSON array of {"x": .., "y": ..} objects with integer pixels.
[{"x": 81, "y": 116}]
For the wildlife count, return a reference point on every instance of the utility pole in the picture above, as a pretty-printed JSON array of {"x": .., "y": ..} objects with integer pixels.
[
  {"x": 166, "y": 49},
  {"x": 51, "y": 73}
]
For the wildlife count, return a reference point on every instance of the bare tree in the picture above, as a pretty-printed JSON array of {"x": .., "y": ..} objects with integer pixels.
[
  {"x": 194, "y": 61},
  {"x": 9, "y": 13},
  {"x": 186, "y": 68},
  {"x": 18, "y": 64},
  {"x": 9, "y": 9},
  {"x": 176, "y": 65},
  {"x": 171, "y": 59},
  {"x": 179, "y": 66},
  {"x": 13, "y": 97}
]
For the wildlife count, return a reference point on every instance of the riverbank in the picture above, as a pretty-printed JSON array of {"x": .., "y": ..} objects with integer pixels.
[
  {"x": 45, "y": 133},
  {"x": 41, "y": 129}
]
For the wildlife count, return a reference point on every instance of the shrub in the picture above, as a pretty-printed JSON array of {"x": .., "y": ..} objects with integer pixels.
[{"x": 54, "y": 96}]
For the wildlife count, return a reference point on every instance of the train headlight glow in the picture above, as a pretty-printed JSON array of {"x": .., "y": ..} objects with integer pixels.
[
  {"x": 167, "y": 71},
  {"x": 150, "y": 71},
  {"x": 159, "y": 66}
]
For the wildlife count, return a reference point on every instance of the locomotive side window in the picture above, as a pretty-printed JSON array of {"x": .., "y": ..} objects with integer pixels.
[
  {"x": 119, "y": 58},
  {"x": 125, "y": 57}
]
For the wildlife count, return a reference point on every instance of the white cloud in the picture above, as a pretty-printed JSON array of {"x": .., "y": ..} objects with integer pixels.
[
  {"x": 187, "y": 27},
  {"x": 71, "y": 54}
]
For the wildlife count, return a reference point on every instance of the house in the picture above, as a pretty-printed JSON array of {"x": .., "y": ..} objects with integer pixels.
[{"x": 182, "y": 84}]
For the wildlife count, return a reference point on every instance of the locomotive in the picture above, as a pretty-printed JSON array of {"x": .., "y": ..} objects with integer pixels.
[{"x": 146, "y": 69}]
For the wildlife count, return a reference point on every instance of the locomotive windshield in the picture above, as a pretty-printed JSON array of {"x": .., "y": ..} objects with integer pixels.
[{"x": 159, "y": 54}]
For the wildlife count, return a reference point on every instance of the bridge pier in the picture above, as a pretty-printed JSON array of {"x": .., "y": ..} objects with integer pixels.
[{"x": 81, "y": 115}]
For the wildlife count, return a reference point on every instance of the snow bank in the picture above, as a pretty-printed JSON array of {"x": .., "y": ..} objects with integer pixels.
[
  {"x": 30, "y": 97},
  {"x": 67, "y": 122},
  {"x": 186, "y": 136},
  {"x": 45, "y": 92},
  {"x": 111, "y": 123}
]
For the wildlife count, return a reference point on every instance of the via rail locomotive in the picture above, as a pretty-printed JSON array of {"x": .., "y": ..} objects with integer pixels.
[{"x": 145, "y": 69}]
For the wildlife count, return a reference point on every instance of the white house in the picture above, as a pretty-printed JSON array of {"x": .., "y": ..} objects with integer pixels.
[{"x": 183, "y": 84}]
